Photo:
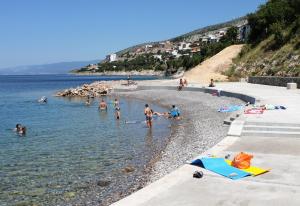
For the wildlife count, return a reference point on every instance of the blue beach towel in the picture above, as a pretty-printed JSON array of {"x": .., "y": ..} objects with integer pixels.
[
  {"x": 219, "y": 166},
  {"x": 231, "y": 108}
]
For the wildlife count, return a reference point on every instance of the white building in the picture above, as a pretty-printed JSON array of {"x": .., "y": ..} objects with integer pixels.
[
  {"x": 157, "y": 56},
  {"x": 111, "y": 57},
  {"x": 148, "y": 46},
  {"x": 213, "y": 38},
  {"x": 174, "y": 52},
  {"x": 184, "y": 46}
]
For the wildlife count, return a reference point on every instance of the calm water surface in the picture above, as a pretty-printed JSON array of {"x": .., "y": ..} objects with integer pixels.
[{"x": 72, "y": 154}]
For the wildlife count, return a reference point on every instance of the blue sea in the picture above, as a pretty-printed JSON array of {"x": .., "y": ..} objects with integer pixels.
[{"x": 72, "y": 154}]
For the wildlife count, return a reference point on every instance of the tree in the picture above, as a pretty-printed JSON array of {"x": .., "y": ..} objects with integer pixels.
[
  {"x": 231, "y": 35},
  {"x": 276, "y": 29}
]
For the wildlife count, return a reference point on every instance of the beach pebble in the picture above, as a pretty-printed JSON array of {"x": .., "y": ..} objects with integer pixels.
[
  {"x": 128, "y": 169},
  {"x": 103, "y": 183}
]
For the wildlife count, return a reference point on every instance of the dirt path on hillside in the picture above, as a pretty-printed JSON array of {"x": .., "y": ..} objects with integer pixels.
[{"x": 214, "y": 66}]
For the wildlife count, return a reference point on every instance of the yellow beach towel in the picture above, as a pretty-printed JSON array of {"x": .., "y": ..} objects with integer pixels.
[{"x": 254, "y": 171}]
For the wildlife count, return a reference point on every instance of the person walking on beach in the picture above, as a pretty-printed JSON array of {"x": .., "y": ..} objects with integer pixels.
[
  {"x": 148, "y": 113},
  {"x": 128, "y": 80},
  {"x": 103, "y": 105}
]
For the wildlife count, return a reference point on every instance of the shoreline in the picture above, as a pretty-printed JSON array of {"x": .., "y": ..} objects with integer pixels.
[
  {"x": 190, "y": 136},
  {"x": 122, "y": 73},
  {"x": 180, "y": 188}
]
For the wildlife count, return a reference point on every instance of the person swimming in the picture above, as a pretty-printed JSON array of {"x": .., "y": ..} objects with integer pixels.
[
  {"x": 21, "y": 130},
  {"x": 102, "y": 105},
  {"x": 18, "y": 128},
  {"x": 43, "y": 99}
]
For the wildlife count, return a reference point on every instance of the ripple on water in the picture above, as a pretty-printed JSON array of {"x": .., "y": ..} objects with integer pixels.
[{"x": 71, "y": 154}]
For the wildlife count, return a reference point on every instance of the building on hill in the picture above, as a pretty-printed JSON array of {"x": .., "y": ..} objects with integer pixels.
[
  {"x": 111, "y": 57},
  {"x": 156, "y": 56},
  {"x": 184, "y": 46},
  {"x": 148, "y": 47},
  {"x": 213, "y": 38}
]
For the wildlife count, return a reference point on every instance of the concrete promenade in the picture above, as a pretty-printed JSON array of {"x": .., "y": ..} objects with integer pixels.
[{"x": 273, "y": 138}]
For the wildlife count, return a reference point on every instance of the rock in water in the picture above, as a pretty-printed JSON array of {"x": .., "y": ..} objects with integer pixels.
[
  {"x": 128, "y": 169},
  {"x": 103, "y": 183},
  {"x": 94, "y": 89}
]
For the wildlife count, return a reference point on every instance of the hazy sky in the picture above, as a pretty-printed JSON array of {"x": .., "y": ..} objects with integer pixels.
[{"x": 47, "y": 31}]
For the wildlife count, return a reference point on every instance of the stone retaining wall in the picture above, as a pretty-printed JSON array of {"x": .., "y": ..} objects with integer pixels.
[{"x": 274, "y": 81}]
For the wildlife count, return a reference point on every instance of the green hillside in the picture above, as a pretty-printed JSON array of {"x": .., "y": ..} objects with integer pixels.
[{"x": 274, "y": 42}]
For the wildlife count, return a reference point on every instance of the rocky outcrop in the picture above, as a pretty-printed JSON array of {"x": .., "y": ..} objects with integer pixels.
[{"x": 94, "y": 89}]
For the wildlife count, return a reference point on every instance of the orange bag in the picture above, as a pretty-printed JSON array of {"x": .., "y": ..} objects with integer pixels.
[{"x": 242, "y": 160}]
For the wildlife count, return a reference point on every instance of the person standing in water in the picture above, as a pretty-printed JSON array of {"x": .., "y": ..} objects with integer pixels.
[
  {"x": 148, "y": 113},
  {"x": 117, "y": 109},
  {"x": 88, "y": 102},
  {"x": 118, "y": 112},
  {"x": 116, "y": 103},
  {"x": 103, "y": 105}
]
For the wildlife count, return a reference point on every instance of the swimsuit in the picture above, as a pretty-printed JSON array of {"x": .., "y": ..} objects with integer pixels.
[{"x": 148, "y": 118}]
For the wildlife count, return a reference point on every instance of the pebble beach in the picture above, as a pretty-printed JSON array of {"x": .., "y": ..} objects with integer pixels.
[{"x": 200, "y": 128}]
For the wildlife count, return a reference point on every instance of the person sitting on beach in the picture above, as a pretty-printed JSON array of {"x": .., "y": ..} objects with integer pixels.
[
  {"x": 185, "y": 82},
  {"x": 181, "y": 85},
  {"x": 211, "y": 84},
  {"x": 148, "y": 113},
  {"x": 103, "y": 105},
  {"x": 174, "y": 112},
  {"x": 118, "y": 112}
]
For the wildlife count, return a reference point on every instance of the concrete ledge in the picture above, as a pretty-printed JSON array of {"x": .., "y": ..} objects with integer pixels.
[
  {"x": 245, "y": 98},
  {"x": 274, "y": 81},
  {"x": 236, "y": 128}
]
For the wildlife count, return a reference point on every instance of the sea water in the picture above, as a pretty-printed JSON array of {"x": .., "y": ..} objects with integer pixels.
[{"x": 72, "y": 154}]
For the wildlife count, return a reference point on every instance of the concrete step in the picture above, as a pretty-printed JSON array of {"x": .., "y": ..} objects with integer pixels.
[
  {"x": 273, "y": 124},
  {"x": 231, "y": 118},
  {"x": 270, "y": 128},
  {"x": 256, "y": 133}
]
